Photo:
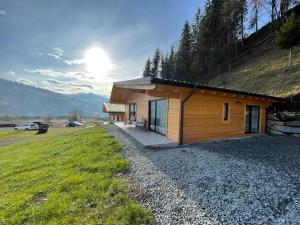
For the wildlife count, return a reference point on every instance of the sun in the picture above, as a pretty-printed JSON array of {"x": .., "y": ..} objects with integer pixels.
[{"x": 97, "y": 61}]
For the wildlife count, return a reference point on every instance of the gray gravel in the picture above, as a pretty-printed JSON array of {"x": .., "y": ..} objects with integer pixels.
[{"x": 247, "y": 181}]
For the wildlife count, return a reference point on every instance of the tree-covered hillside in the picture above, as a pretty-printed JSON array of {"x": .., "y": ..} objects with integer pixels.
[{"x": 216, "y": 47}]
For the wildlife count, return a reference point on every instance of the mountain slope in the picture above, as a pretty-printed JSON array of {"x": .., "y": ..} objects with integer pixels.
[
  {"x": 263, "y": 69},
  {"x": 22, "y": 100}
]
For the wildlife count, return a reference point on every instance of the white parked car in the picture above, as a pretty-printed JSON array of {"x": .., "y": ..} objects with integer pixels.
[{"x": 27, "y": 126}]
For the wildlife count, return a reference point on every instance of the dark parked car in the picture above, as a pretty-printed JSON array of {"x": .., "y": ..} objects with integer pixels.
[{"x": 43, "y": 127}]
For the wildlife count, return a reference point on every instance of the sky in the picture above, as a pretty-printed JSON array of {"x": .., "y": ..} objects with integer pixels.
[{"x": 73, "y": 46}]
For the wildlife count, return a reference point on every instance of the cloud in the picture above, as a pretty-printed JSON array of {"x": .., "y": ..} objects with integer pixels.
[
  {"x": 71, "y": 81},
  {"x": 57, "y": 53},
  {"x": 45, "y": 72},
  {"x": 11, "y": 73},
  {"x": 72, "y": 84},
  {"x": 74, "y": 61},
  {"x": 37, "y": 54},
  {"x": 51, "y": 81},
  {"x": 3, "y": 13},
  {"x": 82, "y": 85},
  {"x": 25, "y": 81}
]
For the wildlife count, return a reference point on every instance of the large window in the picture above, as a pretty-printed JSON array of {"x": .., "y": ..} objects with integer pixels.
[
  {"x": 158, "y": 115},
  {"x": 226, "y": 112},
  {"x": 252, "y": 119},
  {"x": 132, "y": 112}
]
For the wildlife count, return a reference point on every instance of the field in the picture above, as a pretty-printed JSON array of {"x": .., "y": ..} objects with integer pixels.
[{"x": 67, "y": 176}]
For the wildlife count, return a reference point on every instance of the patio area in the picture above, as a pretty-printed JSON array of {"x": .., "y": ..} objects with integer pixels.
[{"x": 145, "y": 137}]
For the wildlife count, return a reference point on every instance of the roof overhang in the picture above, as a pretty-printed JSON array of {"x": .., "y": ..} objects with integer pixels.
[
  {"x": 174, "y": 88},
  {"x": 113, "y": 108}
]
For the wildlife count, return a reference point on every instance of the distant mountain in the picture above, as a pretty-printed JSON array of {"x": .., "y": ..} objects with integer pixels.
[{"x": 23, "y": 100}]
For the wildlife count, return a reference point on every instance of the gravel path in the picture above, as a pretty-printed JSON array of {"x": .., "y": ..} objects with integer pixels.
[{"x": 247, "y": 181}]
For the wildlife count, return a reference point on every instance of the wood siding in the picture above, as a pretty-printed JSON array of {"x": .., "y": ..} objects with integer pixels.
[
  {"x": 203, "y": 117},
  {"x": 142, "y": 105},
  {"x": 142, "y": 108},
  {"x": 203, "y": 112},
  {"x": 173, "y": 119}
]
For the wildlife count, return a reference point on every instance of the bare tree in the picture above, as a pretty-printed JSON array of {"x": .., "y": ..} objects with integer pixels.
[
  {"x": 272, "y": 7},
  {"x": 48, "y": 120},
  {"x": 76, "y": 115},
  {"x": 255, "y": 7}
]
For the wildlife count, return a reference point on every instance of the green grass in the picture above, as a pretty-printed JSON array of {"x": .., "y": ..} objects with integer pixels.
[
  {"x": 72, "y": 178},
  {"x": 7, "y": 136},
  {"x": 264, "y": 70}
]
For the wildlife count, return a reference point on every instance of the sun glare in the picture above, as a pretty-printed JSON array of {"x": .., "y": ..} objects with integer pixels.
[{"x": 97, "y": 61}]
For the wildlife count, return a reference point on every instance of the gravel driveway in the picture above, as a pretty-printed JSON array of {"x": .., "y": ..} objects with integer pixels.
[{"x": 247, "y": 181}]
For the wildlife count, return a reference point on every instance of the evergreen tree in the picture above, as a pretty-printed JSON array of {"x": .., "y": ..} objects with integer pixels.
[
  {"x": 242, "y": 11},
  {"x": 171, "y": 60},
  {"x": 155, "y": 63},
  {"x": 289, "y": 35},
  {"x": 163, "y": 67},
  {"x": 197, "y": 61},
  {"x": 183, "y": 59},
  {"x": 147, "y": 69}
]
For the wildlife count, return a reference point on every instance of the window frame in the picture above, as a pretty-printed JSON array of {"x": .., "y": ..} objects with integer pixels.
[{"x": 132, "y": 112}]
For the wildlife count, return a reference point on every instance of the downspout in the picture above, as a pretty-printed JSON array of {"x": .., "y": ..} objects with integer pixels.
[{"x": 182, "y": 113}]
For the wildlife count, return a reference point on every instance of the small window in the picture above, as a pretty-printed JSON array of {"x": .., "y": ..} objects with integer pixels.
[{"x": 226, "y": 111}]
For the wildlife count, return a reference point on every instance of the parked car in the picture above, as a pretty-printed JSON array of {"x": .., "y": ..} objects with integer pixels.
[
  {"x": 71, "y": 123},
  {"x": 36, "y": 122},
  {"x": 27, "y": 126},
  {"x": 43, "y": 128}
]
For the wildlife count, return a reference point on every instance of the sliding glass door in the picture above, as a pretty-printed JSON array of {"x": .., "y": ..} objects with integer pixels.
[
  {"x": 158, "y": 116},
  {"x": 252, "y": 119}
]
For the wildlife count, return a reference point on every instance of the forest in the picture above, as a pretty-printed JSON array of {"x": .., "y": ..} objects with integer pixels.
[{"x": 215, "y": 38}]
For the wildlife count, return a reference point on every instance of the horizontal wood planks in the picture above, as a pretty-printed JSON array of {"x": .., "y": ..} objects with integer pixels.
[
  {"x": 173, "y": 118},
  {"x": 203, "y": 117}
]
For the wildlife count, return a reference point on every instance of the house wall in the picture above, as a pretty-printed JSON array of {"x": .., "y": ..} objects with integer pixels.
[
  {"x": 173, "y": 118},
  {"x": 203, "y": 114},
  {"x": 142, "y": 108},
  {"x": 203, "y": 117}
]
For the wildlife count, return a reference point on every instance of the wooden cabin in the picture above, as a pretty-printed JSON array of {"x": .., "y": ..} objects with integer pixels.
[
  {"x": 116, "y": 111},
  {"x": 186, "y": 112}
]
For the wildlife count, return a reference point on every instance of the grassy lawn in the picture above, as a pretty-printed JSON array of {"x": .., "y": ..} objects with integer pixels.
[
  {"x": 8, "y": 136},
  {"x": 65, "y": 179}
]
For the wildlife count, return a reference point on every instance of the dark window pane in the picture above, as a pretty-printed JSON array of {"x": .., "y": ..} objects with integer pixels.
[
  {"x": 226, "y": 111},
  {"x": 132, "y": 112}
]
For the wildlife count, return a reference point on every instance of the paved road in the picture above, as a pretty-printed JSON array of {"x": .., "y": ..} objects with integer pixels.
[
  {"x": 6, "y": 128},
  {"x": 247, "y": 181}
]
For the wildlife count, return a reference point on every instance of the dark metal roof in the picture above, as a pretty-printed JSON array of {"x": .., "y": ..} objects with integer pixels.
[{"x": 149, "y": 80}]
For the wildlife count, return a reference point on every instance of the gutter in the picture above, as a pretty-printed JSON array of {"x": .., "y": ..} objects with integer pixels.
[{"x": 182, "y": 113}]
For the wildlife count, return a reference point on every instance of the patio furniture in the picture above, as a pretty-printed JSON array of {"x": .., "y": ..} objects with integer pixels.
[{"x": 140, "y": 123}]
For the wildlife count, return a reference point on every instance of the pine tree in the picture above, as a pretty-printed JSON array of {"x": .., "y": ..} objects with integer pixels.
[
  {"x": 197, "y": 63},
  {"x": 171, "y": 60},
  {"x": 147, "y": 69},
  {"x": 183, "y": 59},
  {"x": 289, "y": 35},
  {"x": 243, "y": 9},
  {"x": 155, "y": 63},
  {"x": 163, "y": 67}
]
